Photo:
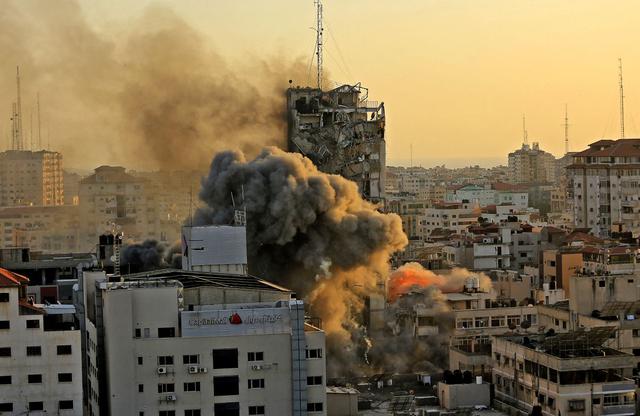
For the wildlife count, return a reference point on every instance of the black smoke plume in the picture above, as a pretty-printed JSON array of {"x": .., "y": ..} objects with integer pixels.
[
  {"x": 307, "y": 230},
  {"x": 150, "y": 255}
]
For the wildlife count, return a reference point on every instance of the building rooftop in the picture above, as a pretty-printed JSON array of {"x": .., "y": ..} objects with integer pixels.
[
  {"x": 10, "y": 279},
  {"x": 190, "y": 279},
  {"x": 583, "y": 343},
  {"x": 612, "y": 148}
]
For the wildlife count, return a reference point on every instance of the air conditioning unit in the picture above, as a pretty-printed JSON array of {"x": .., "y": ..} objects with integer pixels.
[
  {"x": 162, "y": 370},
  {"x": 172, "y": 398},
  {"x": 193, "y": 369},
  {"x": 203, "y": 369},
  {"x": 256, "y": 367}
]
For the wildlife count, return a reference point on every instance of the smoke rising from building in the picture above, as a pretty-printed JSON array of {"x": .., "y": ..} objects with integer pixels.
[
  {"x": 155, "y": 87},
  {"x": 306, "y": 230},
  {"x": 417, "y": 294},
  {"x": 413, "y": 276},
  {"x": 150, "y": 255}
]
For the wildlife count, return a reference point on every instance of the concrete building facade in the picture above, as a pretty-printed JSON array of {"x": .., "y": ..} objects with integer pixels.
[{"x": 31, "y": 178}]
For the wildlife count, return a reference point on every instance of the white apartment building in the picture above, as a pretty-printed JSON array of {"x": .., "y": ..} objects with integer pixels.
[
  {"x": 219, "y": 248},
  {"x": 455, "y": 216},
  {"x": 192, "y": 343},
  {"x": 605, "y": 187},
  {"x": 532, "y": 165},
  {"x": 40, "y": 354}
]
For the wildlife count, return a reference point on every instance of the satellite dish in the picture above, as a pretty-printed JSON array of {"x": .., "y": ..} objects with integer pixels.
[{"x": 112, "y": 258}]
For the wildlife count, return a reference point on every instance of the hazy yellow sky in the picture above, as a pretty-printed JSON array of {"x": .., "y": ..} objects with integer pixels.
[{"x": 456, "y": 76}]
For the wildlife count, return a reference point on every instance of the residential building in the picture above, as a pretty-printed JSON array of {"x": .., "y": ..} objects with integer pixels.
[
  {"x": 342, "y": 132},
  {"x": 40, "y": 354},
  {"x": 49, "y": 229},
  {"x": 182, "y": 342},
  {"x": 532, "y": 165},
  {"x": 31, "y": 178},
  {"x": 604, "y": 187},
  {"x": 454, "y": 216},
  {"x": 563, "y": 374},
  {"x": 112, "y": 200}
]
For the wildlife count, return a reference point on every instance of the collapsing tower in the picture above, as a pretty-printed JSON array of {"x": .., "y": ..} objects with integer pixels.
[{"x": 342, "y": 132}]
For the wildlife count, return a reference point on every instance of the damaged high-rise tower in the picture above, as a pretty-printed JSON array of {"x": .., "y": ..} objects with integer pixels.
[{"x": 342, "y": 132}]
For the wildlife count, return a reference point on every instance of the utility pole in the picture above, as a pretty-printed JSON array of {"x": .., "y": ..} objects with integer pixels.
[
  {"x": 621, "y": 99},
  {"x": 319, "y": 30}
]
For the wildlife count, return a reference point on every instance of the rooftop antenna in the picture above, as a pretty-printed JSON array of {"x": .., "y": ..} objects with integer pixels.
[
  {"x": 411, "y": 155},
  {"x": 525, "y": 135},
  {"x": 319, "y": 30},
  {"x": 39, "y": 125},
  {"x": 566, "y": 130},
  {"x": 19, "y": 141},
  {"x": 621, "y": 99}
]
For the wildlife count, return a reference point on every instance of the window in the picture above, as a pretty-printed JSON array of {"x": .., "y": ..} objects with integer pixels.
[
  {"x": 576, "y": 405},
  {"x": 165, "y": 360},
  {"x": 255, "y": 356},
  {"x": 65, "y": 404},
  {"x": 167, "y": 413},
  {"x": 140, "y": 360},
  {"x": 166, "y": 388},
  {"x": 314, "y": 381},
  {"x": 314, "y": 407},
  {"x": 226, "y": 358},
  {"x": 65, "y": 377},
  {"x": 255, "y": 383},
  {"x": 33, "y": 323},
  {"x": 256, "y": 410},
  {"x": 192, "y": 386},
  {"x": 192, "y": 412},
  {"x": 138, "y": 333},
  {"x": 5, "y": 352},
  {"x": 166, "y": 332},
  {"x": 226, "y": 386},
  {"x": 6, "y": 407},
  {"x": 314, "y": 353},
  {"x": 5, "y": 325},
  {"x": 34, "y": 378},
  {"x": 4, "y": 297},
  {"x": 190, "y": 359},
  {"x": 611, "y": 400},
  {"x": 5, "y": 379},
  {"x": 64, "y": 349},
  {"x": 226, "y": 409},
  {"x": 34, "y": 351},
  {"x": 140, "y": 388},
  {"x": 36, "y": 406}
]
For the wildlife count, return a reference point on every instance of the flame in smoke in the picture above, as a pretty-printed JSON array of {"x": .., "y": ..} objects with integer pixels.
[{"x": 413, "y": 275}]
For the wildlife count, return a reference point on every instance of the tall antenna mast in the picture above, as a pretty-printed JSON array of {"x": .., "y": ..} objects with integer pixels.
[
  {"x": 319, "y": 29},
  {"x": 19, "y": 142},
  {"x": 39, "y": 126},
  {"x": 525, "y": 135},
  {"x": 566, "y": 130},
  {"x": 411, "y": 154},
  {"x": 621, "y": 99}
]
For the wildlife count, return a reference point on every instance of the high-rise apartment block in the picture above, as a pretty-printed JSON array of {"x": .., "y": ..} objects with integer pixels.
[
  {"x": 113, "y": 200},
  {"x": 342, "y": 132},
  {"x": 532, "y": 165},
  {"x": 605, "y": 187},
  {"x": 31, "y": 178}
]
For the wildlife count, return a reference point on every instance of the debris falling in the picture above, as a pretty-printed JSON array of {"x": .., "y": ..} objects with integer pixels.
[{"x": 306, "y": 230}]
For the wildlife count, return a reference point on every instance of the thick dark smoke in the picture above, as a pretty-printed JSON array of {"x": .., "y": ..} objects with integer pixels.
[
  {"x": 156, "y": 94},
  {"x": 150, "y": 255},
  {"x": 308, "y": 231}
]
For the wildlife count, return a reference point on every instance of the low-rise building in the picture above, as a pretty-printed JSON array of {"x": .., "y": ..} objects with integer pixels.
[
  {"x": 563, "y": 374},
  {"x": 40, "y": 354}
]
